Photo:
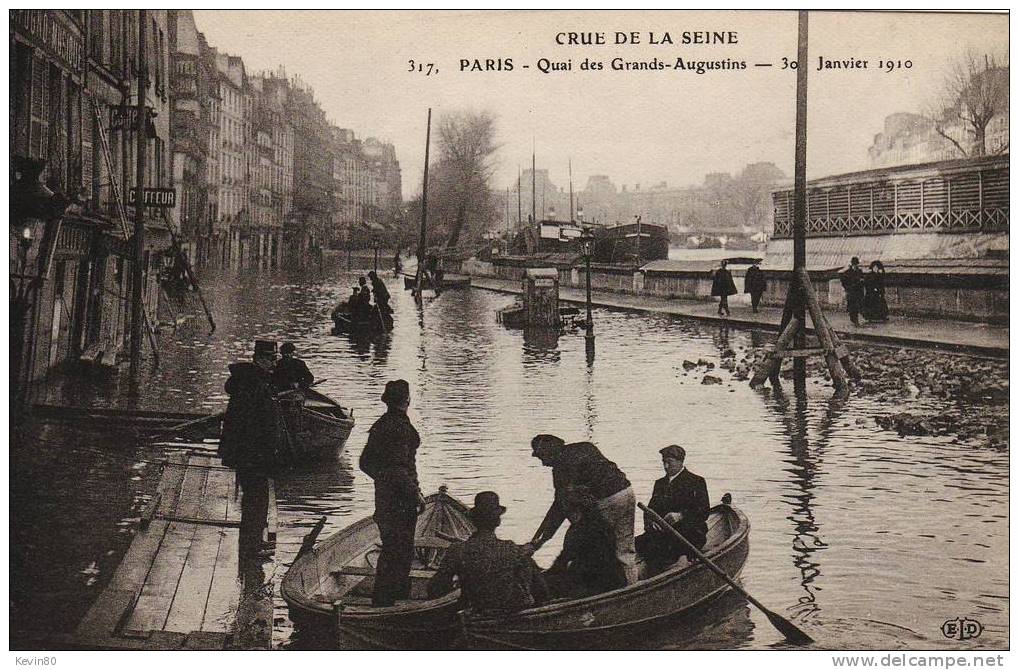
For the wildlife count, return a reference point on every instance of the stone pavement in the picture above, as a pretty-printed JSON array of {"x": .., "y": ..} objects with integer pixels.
[{"x": 963, "y": 336}]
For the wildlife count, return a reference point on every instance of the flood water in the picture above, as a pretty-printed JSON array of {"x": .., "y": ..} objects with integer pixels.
[{"x": 864, "y": 538}]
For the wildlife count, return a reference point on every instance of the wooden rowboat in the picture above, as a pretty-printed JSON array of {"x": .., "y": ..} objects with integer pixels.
[
  {"x": 317, "y": 426},
  {"x": 344, "y": 322},
  {"x": 449, "y": 281},
  {"x": 331, "y": 584},
  {"x": 591, "y": 622}
]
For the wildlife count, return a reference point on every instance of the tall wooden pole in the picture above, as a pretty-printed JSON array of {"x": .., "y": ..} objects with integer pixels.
[
  {"x": 571, "y": 190},
  {"x": 424, "y": 208},
  {"x": 534, "y": 199},
  {"x": 137, "y": 276},
  {"x": 800, "y": 201},
  {"x": 519, "y": 214}
]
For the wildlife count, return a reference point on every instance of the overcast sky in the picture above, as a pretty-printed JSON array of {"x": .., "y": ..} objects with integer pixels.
[{"x": 636, "y": 127}]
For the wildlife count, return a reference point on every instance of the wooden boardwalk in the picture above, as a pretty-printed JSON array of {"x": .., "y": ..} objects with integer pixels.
[{"x": 182, "y": 583}]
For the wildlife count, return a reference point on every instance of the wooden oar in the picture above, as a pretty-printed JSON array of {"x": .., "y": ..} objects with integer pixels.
[
  {"x": 784, "y": 626},
  {"x": 309, "y": 540},
  {"x": 181, "y": 426}
]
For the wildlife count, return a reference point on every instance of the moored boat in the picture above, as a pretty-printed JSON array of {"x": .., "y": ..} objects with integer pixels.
[
  {"x": 587, "y": 622},
  {"x": 376, "y": 322},
  {"x": 449, "y": 281},
  {"x": 630, "y": 242},
  {"x": 331, "y": 584},
  {"x": 316, "y": 425}
]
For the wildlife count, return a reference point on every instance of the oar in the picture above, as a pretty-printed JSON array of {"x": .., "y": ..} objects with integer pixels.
[
  {"x": 784, "y": 626},
  {"x": 181, "y": 426}
]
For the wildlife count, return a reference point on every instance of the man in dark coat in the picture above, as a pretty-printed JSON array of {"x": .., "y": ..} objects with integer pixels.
[
  {"x": 681, "y": 498},
  {"x": 581, "y": 464},
  {"x": 723, "y": 286},
  {"x": 496, "y": 576},
  {"x": 852, "y": 282},
  {"x": 587, "y": 565},
  {"x": 755, "y": 284},
  {"x": 290, "y": 372},
  {"x": 389, "y": 459},
  {"x": 249, "y": 438},
  {"x": 381, "y": 294},
  {"x": 362, "y": 306}
]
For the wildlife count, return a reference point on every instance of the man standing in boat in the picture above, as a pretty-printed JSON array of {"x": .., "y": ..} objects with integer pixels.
[
  {"x": 389, "y": 459},
  {"x": 291, "y": 372},
  {"x": 681, "y": 498},
  {"x": 496, "y": 576},
  {"x": 248, "y": 441},
  {"x": 581, "y": 464},
  {"x": 381, "y": 294}
]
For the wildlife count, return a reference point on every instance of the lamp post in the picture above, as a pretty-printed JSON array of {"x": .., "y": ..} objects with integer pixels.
[{"x": 588, "y": 240}]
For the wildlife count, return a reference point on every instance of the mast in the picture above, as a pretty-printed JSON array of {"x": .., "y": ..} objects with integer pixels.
[
  {"x": 424, "y": 208},
  {"x": 534, "y": 201},
  {"x": 571, "y": 190},
  {"x": 519, "y": 215}
]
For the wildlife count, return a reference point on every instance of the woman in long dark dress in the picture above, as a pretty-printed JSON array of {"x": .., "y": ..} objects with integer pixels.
[{"x": 875, "y": 307}]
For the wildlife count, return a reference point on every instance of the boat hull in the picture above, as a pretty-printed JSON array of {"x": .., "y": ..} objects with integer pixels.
[
  {"x": 317, "y": 426},
  {"x": 589, "y": 622},
  {"x": 619, "y": 244}
]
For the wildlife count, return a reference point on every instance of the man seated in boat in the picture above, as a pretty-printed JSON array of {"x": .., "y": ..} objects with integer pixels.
[
  {"x": 290, "y": 372},
  {"x": 496, "y": 576},
  {"x": 581, "y": 464},
  {"x": 681, "y": 498},
  {"x": 588, "y": 564}
]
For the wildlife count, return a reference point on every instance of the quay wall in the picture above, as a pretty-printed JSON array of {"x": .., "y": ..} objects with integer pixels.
[{"x": 964, "y": 294}]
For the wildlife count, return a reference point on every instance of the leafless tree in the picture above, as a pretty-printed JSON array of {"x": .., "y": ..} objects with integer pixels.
[
  {"x": 466, "y": 144},
  {"x": 975, "y": 91}
]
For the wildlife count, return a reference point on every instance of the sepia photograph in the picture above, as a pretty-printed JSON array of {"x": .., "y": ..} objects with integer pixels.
[{"x": 494, "y": 330}]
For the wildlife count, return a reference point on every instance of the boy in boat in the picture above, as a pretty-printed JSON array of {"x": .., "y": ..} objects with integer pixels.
[
  {"x": 581, "y": 464},
  {"x": 681, "y": 498},
  {"x": 290, "y": 372},
  {"x": 248, "y": 441},
  {"x": 389, "y": 459},
  {"x": 587, "y": 565},
  {"x": 496, "y": 576}
]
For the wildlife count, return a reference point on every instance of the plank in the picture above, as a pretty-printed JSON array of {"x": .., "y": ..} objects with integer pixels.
[
  {"x": 208, "y": 641},
  {"x": 799, "y": 353},
  {"x": 170, "y": 483},
  {"x": 272, "y": 520},
  {"x": 153, "y": 604},
  {"x": 218, "y": 490},
  {"x": 225, "y": 589},
  {"x": 188, "y": 607},
  {"x": 106, "y": 614},
  {"x": 191, "y": 492}
]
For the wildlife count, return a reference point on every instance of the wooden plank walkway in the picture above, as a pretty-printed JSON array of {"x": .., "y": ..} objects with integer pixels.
[{"x": 182, "y": 583}]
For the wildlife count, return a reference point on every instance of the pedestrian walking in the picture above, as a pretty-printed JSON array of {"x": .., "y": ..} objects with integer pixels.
[
  {"x": 755, "y": 284},
  {"x": 389, "y": 459},
  {"x": 249, "y": 439},
  {"x": 852, "y": 283},
  {"x": 875, "y": 307},
  {"x": 722, "y": 286}
]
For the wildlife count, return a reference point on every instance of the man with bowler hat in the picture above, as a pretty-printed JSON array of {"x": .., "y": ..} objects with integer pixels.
[
  {"x": 581, "y": 464},
  {"x": 248, "y": 441},
  {"x": 496, "y": 576},
  {"x": 681, "y": 498},
  {"x": 852, "y": 282},
  {"x": 389, "y": 459}
]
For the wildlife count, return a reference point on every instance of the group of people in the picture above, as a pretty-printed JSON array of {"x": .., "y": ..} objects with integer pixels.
[
  {"x": 599, "y": 549},
  {"x": 723, "y": 286},
  {"x": 865, "y": 292},
  {"x": 251, "y": 428},
  {"x": 359, "y": 305}
]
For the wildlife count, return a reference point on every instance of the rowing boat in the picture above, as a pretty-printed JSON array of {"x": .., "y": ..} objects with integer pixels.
[
  {"x": 331, "y": 584},
  {"x": 316, "y": 425},
  {"x": 449, "y": 281},
  {"x": 590, "y": 622}
]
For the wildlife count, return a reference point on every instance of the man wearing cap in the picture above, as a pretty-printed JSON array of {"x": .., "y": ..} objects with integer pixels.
[
  {"x": 496, "y": 576},
  {"x": 581, "y": 464},
  {"x": 852, "y": 282},
  {"x": 291, "y": 372},
  {"x": 389, "y": 459},
  {"x": 248, "y": 441},
  {"x": 681, "y": 498}
]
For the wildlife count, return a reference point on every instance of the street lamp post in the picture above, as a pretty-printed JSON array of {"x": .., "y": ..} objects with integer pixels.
[{"x": 588, "y": 240}]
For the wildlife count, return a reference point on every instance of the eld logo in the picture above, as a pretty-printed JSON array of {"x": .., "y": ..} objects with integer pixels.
[{"x": 962, "y": 629}]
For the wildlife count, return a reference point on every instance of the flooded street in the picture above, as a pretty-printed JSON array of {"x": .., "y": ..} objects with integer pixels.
[{"x": 866, "y": 539}]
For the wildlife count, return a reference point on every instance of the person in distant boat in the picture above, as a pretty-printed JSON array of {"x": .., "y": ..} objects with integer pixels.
[
  {"x": 495, "y": 576},
  {"x": 290, "y": 372},
  {"x": 852, "y": 283},
  {"x": 248, "y": 441},
  {"x": 681, "y": 498},
  {"x": 723, "y": 286},
  {"x": 587, "y": 565},
  {"x": 755, "y": 284},
  {"x": 381, "y": 294},
  {"x": 362, "y": 307},
  {"x": 581, "y": 464},
  {"x": 389, "y": 459},
  {"x": 875, "y": 307}
]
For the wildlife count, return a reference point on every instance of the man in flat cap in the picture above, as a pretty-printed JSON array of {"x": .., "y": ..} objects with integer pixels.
[
  {"x": 581, "y": 464},
  {"x": 249, "y": 439},
  {"x": 290, "y": 372},
  {"x": 681, "y": 498},
  {"x": 389, "y": 459},
  {"x": 496, "y": 576}
]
